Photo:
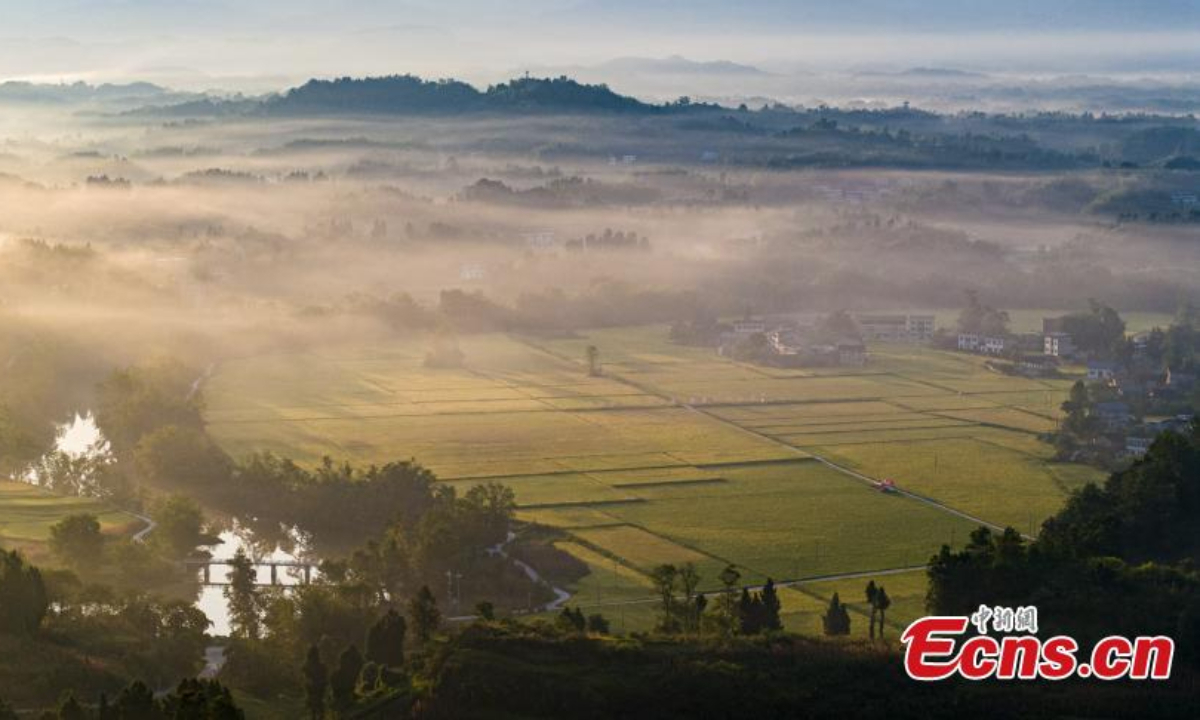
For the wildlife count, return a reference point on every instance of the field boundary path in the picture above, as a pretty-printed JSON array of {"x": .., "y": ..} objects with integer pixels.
[
  {"x": 140, "y": 535},
  {"x": 853, "y": 474},
  {"x": 561, "y": 596}
]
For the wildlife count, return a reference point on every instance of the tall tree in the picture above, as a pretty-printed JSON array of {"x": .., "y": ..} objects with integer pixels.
[
  {"x": 104, "y": 711},
  {"x": 593, "y": 360},
  {"x": 572, "y": 620},
  {"x": 598, "y": 624},
  {"x": 689, "y": 580},
  {"x": 486, "y": 610},
  {"x": 423, "y": 614},
  {"x": 837, "y": 619},
  {"x": 344, "y": 678},
  {"x": 727, "y": 605},
  {"x": 872, "y": 593},
  {"x": 23, "y": 597},
  {"x": 769, "y": 599},
  {"x": 747, "y": 609},
  {"x": 70, "y": 709},
  {"x": 665, "y": 578},
  {"x": 179, "y": 525},
  {"x": 136, "y": 702},
  {"x": 385, "y": 639},
  {"x": 316, "y": 683},
  {"x": 882, "y": 603},
  {"x": 242, "y": 596}
]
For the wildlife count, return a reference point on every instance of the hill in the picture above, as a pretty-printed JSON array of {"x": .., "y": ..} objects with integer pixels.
[
  {"x": 408, "y": 94},
  {"x": 491, "y": 671}
]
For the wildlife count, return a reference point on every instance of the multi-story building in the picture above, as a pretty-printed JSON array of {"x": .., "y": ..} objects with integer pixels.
[
  {"x": 970, "y": 342},
  {"x": 1059, "y": 344},
  {"x": 896, "y": 328}
]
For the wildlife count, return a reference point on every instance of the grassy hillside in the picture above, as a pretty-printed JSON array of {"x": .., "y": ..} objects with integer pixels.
[{"x": 26, "y": 514}]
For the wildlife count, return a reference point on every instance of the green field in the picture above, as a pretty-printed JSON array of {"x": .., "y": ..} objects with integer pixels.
[
  {"x": 678, "y": 455},
  {"x": 26, "y": 514}
]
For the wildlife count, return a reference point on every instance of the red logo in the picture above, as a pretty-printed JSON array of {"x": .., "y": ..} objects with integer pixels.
[{"x": 935, "y": 648}]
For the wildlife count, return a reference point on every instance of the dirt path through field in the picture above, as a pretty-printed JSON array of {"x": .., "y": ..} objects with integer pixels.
[{"x": 853, "y": 474}]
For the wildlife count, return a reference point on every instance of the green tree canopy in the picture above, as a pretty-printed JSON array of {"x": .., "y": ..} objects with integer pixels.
[
  {"x": 77, "y": 541},
  {"x": 23, "y": 597}
]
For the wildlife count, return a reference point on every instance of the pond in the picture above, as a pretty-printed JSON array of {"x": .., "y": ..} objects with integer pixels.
[
  {"x": 211, "y": 600},
  {"x": 82, "y": 438}
]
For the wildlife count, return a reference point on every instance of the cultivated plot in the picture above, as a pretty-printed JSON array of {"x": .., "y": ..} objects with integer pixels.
[
  {"x": 677, "y": 455},
  {"x": 27, "y": 513}
]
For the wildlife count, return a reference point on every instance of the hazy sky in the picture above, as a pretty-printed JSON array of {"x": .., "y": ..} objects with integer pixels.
[{"x": 267, "y": 44}]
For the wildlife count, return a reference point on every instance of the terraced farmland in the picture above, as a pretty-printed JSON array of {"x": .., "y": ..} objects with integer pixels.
[{"x": 676, "y": 454}]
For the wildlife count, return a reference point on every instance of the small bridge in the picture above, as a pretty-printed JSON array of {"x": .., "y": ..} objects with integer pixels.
[{"x": 206, "y": 574}]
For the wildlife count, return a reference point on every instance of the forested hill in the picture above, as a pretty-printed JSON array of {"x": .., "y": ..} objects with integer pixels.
[{"x": 408, "y": 94}]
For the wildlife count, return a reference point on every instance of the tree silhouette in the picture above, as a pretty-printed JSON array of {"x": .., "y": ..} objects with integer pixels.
[
  {"x": 385, "y": 639},
  {"x": 872, "y": 593},
  {"x": 242, "y": 597},
  {"x": 77, "y": 541},
  {"x": 485, "y": 610},
  {"x": 882, "y": 602},
  {"x": 769, "y": 599},
  {"x": 316, "y": 683},
  {"x": 344, "y": 678},
  {"x": 23, "y": 595},
  {"x": 664, "y": 578},
  {"x": 593, "y": 360},
  {"x": 423, "y": 614},
  {"x": 136, "y": 702},
  {"x": 837, "y": 619}
]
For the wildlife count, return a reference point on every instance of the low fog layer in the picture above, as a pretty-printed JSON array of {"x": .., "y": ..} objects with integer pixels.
[{"x": 226, "y": 236}]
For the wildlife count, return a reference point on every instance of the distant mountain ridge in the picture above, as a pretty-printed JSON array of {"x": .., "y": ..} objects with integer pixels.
[
  {"x": 411, "y": 95},
  {"x": 23, "y": 91},
  {"x": 678, "y": 65}
]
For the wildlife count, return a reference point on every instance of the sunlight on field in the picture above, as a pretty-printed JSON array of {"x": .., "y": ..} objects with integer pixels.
[
  {"x": 26, "y": 514},
  {"x": 678, "y": 455}
]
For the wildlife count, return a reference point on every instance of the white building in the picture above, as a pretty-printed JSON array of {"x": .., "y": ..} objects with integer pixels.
[
  {"x": 1101, "y": 371},
  {"x": 539, "y": 240},
  {"x": 743, "y": 328},
  {"x": 472, "y": 271},
  {"x": 1059, "y": 344},
  {"x": 971, "y": 342},
  {"x": 1137, "y": 446},
  {"x": 896, "y": 328}
]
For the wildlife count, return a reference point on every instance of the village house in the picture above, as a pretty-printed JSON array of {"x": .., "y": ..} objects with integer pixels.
[
  {"x": 1137, "y": 443},
  {"x": 795, "y": 345},
  {"x": 1059, "y": 345},
  {"x": 1036, "y": 365},
  {"x": 1101, "y": 370},
  {"x": 970, "y": 342},
  {"x": 1137, "y": 446},
  {"x": 851, "y": 352},
  {"x": 1114, "y": 415},
  {"x": 896, "y": 328},
  {"x": 1178, "y": 423},
  {"x": 748, "y": 326}
]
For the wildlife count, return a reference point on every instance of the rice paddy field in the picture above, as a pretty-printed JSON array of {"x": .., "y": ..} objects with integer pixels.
[
  {"x": 678, "y": 455},
  {"x": 27, "y": 513}
]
